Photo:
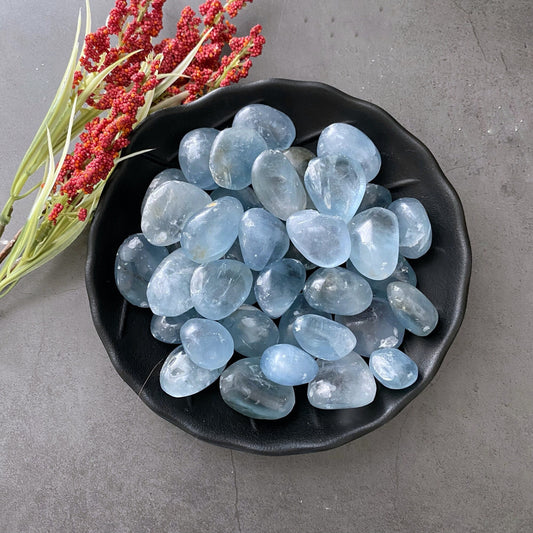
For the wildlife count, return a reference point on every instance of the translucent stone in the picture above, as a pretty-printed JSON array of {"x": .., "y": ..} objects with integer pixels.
[
  {"x": 376, "y": 327},
  {"x": 245, "y": 388},
  {"x": 193, "y": 155},
  {"x": 322, "y": 239},
  {"x": 393, "y": 368},
  {"x": 246, "y": 196},
  {"x": 338, "y": 291},
  {"x": 412, "y": 309},
  {"x": 344, "y": 139},
  {"x": 375, "y": 242},
  {"x": 220, "y": 288},
  {"x": 322, "y": 337},
  {"x": 414, "y": 227},
  {"x": 169, "y": 174},
  {"x": 232, "y": 156},
  {"x": 180, "y": 377},
  {"x": 168, "y": 208},
  {"x": 299, "y": 158},
  {"x": 208, "y": 343},
  {"x": 169, "y": 288},
  {"x": 135, "y": 263},
  {"x": 262, "y": 237},
  {"x": 375, "y": 196},
  {"x": 167, "y": 328},
  {"x": 273, "y": 125},
  {"x": 278, "y": 286},
  {"x": 342, "y": 384},
  {"x": 293, "y": 253},
  {"x": 336, "y": 185},
  {"x": 288, "y": 365},
  {"x": 210, "y": 232},
  {"x": 277, "y": 184},
  {"x": 252, "y": 330}
]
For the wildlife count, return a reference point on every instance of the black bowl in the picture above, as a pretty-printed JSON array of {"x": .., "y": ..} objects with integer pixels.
[{"x": 408, "y": 169}]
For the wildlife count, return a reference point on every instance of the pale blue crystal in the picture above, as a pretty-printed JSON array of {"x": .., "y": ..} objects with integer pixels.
[
  {"x": 135, "y": 263},
  {"x": 273, "y": 125},
  {"x": 412, "y": 309},
  {"x": 322, "y": 239},
  {"x": 342, "y": 384},
  {"x": 167, "y": 328},
  {"x": 194, "y": 150},
  {"x": 277, "y": 185},
  {"x": 375, "y": 196},
  {"x": 375, "y": 242},
  {"x": 322, "y": 337},
  {"x": 232, "y": 156},
  {"x": 299, "y": 158},
  {"x": 278, "y": 286},
  {"x": 169, "y": 174},
  {"x": 288, "y": 365},
  {"x": 220, "y": 288},
  {"x": 246, "y": 196},
  {"x": 245, "y": 388},
  {"x": 210, "y": 232},
  {"x": 338, "y": 291},
  {"x": 393, "y": 368},
  {"x": 262, "y": 237}
]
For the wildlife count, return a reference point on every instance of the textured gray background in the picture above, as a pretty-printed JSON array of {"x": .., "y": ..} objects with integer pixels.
[{"x": 79, "y": 452}]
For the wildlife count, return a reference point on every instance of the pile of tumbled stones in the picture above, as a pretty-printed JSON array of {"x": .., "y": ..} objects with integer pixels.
[{"x": 293, "y": 260}]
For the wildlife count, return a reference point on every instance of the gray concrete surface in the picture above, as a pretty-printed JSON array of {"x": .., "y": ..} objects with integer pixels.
[{"x": 79, "y": 452}]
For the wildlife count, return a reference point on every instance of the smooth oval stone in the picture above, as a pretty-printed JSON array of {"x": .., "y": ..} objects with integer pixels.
[
  {"x": 232, "y": 156},
  {"x": 252, "y": 331},
  {"x": 278, "y": 286},
  {"x": 342, "y": 384},
  {"x": 393, "y": 368},
  {"x": 193, "y": 155},
  {"x": 167, "y": 328},
  {"x": 414, "y": 227},
  {"x": 180, "y": 377},
  {"x": 246, "y": 196},
  {"x": 169, "y": 288},
  {"x": 262, "y": 237},
  {"x": 375, "y": 196},
  {"x": 375, "y": 242},
  {"x": 323, "y": 337},
  {"x": 169, "y": 174},
  {"x": 245, "y": 388},
  {"x": 277, "y": 184},
  {"x": 210, "y": 232},
  {"x": 412, "y": 309},
  {"x": 288, "y": 365},
  {"x": 376, "y": 327},
  {"x": 322, "y": 239},
  {"x": 338, "y": 291},
  {"x": 208, "y": 343},
  {"x": 273, "y": 125},
  {"x": 168, "y": 208},
  {"x": 293, "y": 253},
  {"x": 344, "y": 139},
  {"x": 336, "y": 185},
  {"x": 220, "y": 287},
  {"x": 135, "y": 262}
]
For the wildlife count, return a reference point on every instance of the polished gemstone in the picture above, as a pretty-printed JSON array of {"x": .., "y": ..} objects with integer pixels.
[
  {"x": 169, "y": 174},
  {"x": 167, "y": 328},
  {"x": 393, "y": 368},
  {"x": 375, "y": 196},
  {"x": 288, "y": 365},
  {"x": 193, "y": 155},
  {"x": 246, "y": 196}
]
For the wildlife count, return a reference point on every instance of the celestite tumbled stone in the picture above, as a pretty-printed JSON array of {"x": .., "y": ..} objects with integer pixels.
[
  {"x": 180, "y": 377},
  {"x": 322, "y": 239},
  {"x": 412, "y": 308},
  {"x": 278, "y": 286},
  {"x": 323, "y": 338},
  {"x": 209, "y": 233},
  {"x": 375, "y": 242},
  {"x": 168, "y": 208},
  {"x": 220, "y": 288},
  {"x": 246, "y": 196},
  {"x": 167, "y": 328},
  {"x": 135, "y": 263},
  {"x": 245, "y": 388},
  {"x": 414, "y": 227},
  {"x": 338, "y": 291},
  {"x": 277, "y": 185},
  {"x": 344, "y": 139},
  {"x": 336, "y": 185},
  {"x": 375, "y": 196},
  {"x": 232, "y": 156},
  {"x": 393, "y": 368},
  {"x": 208, "y": 343},
  {"x": 169, "y": 174},
  {"x": 342, "y": 384},
  {"x": 262, "y": 237},
  {"x": 288, "y": 365},
  {"x": 273, "y": 125},
  {"x": 194, "y": 150},
  {"x": 376, "y": 327}
]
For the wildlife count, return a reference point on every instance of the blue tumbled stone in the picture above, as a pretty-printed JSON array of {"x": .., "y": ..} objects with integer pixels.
[
  {"x": 246, "y": 196},
  {"x": 194, "y": 150},
  {"x": 167, "y": 328},
  {"x": 375, "y": 196},
  {"x": 288, "y": 365},
  {"x": 393, "y": 368},
  {"x": 169, "y": 174}
]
